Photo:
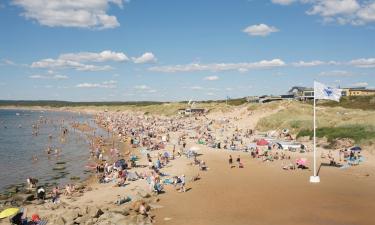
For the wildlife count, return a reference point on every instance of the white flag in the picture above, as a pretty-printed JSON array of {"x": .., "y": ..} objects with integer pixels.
[{"x": 321, "y": 91}]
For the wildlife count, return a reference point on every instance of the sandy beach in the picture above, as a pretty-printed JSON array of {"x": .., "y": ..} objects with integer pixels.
[{"x": 260, "y": 193}]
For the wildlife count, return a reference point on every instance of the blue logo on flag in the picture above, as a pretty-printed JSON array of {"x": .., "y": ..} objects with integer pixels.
[{"x": 328, "y": 91}]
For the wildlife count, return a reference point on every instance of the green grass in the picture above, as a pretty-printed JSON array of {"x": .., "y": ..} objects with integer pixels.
[
  {"x": 297, "y": 116},
  {"x": 353, "y": 102},
  {"x": 356, "y": 132}
]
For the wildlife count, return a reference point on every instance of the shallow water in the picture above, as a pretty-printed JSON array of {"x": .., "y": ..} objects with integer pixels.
[{"x": 18, "y": 145}]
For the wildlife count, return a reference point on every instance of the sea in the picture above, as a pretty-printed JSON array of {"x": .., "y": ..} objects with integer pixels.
[{"x": 23, "y": 153}]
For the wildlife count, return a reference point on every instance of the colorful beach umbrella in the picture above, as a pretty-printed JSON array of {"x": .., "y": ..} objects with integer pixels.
[
  {"x": 262, "y": 142},
  {"x": 356, "y": 148},
  {"x": 8, "y": 212},
  {"x": 301, "y": 161}
]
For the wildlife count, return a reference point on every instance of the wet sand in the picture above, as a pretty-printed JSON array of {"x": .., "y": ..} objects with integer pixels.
[{"x": 262, "y": 193}]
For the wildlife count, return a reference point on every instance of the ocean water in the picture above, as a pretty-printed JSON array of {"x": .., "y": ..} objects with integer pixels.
[{"x": 18, "y": 146}]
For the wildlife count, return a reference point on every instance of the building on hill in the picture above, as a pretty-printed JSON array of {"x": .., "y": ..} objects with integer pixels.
[
  {"x": 357, "y": 91},
  {"x": 305, "y": 93},
  {"x": 302, "y": 93}
]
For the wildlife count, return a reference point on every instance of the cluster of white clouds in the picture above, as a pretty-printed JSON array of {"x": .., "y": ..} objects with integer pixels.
[
  {"x": 94, "y": 56},
  {"x": 260, "y": 30},
  {"x": 364, "y": 63},
  {"x": 78, "y": 61},
  {"x": 314, "y": 63},
  {"x": 353, "y": 12},
  {"x": 106, "y": 84},
  {"x": 217, "y": 67},
  {"x": 51, "y": 75},
  {"x": 264, "y": 64},
  {"x": 72, "y": 13}
]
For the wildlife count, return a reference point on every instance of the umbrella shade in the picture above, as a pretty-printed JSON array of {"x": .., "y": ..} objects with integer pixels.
[
  {"x": 356, "y": 148},
  {"x": 262, "y": 142},
  {"x": 8, "y": 212}
]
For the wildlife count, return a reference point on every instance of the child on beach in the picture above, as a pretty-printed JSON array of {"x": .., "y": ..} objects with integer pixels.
[
  {"x": 55, "y": 194},
  {"x": 238, "y": 161},
  {"x": 230, "y": 161}
]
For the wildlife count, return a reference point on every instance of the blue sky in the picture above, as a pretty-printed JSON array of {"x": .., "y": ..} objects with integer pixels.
[{"x": 169, "y": 50}]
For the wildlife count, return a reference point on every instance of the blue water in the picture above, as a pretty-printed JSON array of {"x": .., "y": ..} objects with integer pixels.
[{"x": 18, "y": 145}]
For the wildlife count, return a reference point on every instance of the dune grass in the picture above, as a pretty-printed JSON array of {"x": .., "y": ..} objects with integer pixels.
[
  {"x": 358, "y": 133},
  {"x": 333, "y": 121},
  {"x": 353, "y": 102}
]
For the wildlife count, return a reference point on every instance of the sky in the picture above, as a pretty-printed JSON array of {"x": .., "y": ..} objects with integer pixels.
[{"x": 173, "y": 50}]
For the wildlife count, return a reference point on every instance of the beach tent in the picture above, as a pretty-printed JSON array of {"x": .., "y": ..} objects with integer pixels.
[
  {"x": 8, "y": 212},
  {"x": 262, "y": 142}
]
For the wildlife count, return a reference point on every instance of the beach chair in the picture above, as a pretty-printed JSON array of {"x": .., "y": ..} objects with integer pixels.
[{"x": 42, "y": 222}]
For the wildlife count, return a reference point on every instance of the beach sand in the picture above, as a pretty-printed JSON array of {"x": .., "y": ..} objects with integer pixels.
[
  {"x": 259, "y": 193},
  {"x": 262, "y": 193}
]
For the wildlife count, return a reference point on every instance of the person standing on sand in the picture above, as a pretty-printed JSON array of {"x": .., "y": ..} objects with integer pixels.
[
  {"x": 230, "y": 161},
  {"x": 238, "y": 161}
]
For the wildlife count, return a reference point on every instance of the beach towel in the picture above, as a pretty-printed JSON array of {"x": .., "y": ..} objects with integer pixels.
[{"x": 168, "y": 181}]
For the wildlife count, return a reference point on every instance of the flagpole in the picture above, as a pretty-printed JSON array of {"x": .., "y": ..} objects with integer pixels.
[{"x": 314, "y": 178}]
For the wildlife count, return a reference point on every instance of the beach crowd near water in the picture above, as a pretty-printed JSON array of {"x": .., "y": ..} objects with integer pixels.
[{"x": 138, "y": 160}]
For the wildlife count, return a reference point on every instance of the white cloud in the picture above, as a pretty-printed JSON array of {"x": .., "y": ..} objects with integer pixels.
[
  {"x": 283, "y": 2},
  {"x": 77, "y": 13},
  {"x": 360, "y": 84},
  {"x": 353, "y": 12},
  {"x": 8, "y": 62},
  {"x": 63, "y": 64},
  {"x": 54, "y": 77},
  {"x": 242, "y": 70},
  {"x": 193, "y": 67},
  {"x": 147, "y": 57},
  {"x": 367, "y": 13},
  {"x": 314, "y": 63},
  {"x": 103, "y": 56},
  {"x": 106, "y": 84},
  {"x": 211, "y": 94},
  {"x": 141, "y": 87},
  {"x": 260, "y": 30},
  {"x": 329, "y": 8},
  {"x": 363, "y": 63},
  {"x": 211, "y": 78},
  {"x": 336, "y": 73},
  {"x": 78, "y": 61}
]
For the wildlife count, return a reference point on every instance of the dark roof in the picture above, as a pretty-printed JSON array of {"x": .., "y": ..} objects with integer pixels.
[{"x": 299, "y": 88}]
